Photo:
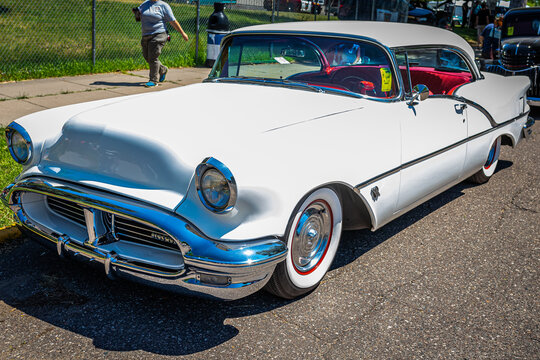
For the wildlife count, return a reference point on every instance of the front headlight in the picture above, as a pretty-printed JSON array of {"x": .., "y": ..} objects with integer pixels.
[
  {"x": 19, "y": 143},
  {"x": 216, "y": 186}
]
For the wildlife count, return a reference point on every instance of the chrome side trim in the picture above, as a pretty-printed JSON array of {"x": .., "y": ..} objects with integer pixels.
[
  {"x": 435, "y": 153},
  {"x": 473, "y": 104},
  {"x": 480, "y": 108},
  {"x": 314, "y": 119}
]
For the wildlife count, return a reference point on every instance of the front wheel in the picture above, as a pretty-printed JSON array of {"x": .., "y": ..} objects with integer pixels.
[
  {"x": 485, "y": 173},
  {"x": 312, "y": 239}
]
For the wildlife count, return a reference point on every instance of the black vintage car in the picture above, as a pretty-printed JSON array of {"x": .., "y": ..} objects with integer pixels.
[{"x": 520, "y": 48}]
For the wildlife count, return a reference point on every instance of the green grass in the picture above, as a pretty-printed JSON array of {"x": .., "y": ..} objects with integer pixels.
[
  {"x": 468, "y": 34},
  {"x": 43, "y": 38},
  {"x": 9, "y": 169}
]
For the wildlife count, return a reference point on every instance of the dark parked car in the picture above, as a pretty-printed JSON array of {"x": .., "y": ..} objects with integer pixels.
[
  {"x": 283, "y": 5},
  {"x": 418, "y": 15},
  {"x": 520, "y": 48},
  {"x": 364, "y": 10}
]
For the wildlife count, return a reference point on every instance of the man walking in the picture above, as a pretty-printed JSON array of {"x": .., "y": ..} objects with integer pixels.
[{"x": 153, "y": 14}]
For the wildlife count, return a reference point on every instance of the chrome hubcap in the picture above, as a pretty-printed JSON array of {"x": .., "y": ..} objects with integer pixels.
[{"x": 311, "y": 237}]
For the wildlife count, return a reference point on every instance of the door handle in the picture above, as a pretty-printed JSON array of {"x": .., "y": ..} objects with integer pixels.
[{"x": 460, "y": 107}]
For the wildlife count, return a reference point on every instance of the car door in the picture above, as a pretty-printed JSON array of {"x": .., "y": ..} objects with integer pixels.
[
  {"x": 433, "y": 148},
  {"x": 434, "y": 132}
]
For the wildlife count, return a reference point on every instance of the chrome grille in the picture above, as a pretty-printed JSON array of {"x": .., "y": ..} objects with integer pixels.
[
  {"x": 67, "y": 209},
  {"x": 519, "y": 61},
  {"x": 134, "y": 231},
  {"x": 516, "y": 62},
  {"x": 120, "y": 227}
]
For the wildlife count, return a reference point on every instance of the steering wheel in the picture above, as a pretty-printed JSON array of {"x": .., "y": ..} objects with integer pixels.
[{"x": 356, "y": 84}]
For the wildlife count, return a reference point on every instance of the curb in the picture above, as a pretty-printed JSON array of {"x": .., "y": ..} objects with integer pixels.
[{"x": 10, "y": 232}]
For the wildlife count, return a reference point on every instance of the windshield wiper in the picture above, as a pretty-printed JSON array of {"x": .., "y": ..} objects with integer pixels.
[
  {"x": 300, "y": 84},
  {"x": 285, "y": 83},
  {"x": 267, "y": 81}
]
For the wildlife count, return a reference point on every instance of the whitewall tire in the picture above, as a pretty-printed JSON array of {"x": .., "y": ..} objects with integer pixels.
[{"x": 312, "y": 239}]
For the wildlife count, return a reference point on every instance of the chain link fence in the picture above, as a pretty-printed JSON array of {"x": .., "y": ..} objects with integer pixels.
[{"x": 44, "y": 38}]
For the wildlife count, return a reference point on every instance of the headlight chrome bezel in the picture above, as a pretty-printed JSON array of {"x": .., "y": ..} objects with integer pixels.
[
  {"x": 214, "y": 164},
  {"x": 11, "y": 130}
]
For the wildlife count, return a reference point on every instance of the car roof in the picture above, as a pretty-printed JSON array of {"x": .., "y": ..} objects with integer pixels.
[
  {"x": 387, "y": 33},
  {"x": 523, "y": 10}
]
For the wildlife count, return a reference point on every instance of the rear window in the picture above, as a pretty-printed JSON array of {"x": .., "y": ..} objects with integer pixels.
[
  {"x": 441, "y": 70},
  {"x": 521, "y": 24}
]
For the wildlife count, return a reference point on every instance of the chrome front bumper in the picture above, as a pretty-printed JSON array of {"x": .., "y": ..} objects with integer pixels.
[
  {"x": 533, "y": 101},
  {"x": 224, "y": 270}
]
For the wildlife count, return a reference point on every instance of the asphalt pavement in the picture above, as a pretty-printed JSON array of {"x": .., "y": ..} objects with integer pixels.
[{"x": 455, "y": 278}]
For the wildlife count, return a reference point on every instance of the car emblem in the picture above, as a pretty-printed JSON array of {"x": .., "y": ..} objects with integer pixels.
[{"x": 163, "y": 238}]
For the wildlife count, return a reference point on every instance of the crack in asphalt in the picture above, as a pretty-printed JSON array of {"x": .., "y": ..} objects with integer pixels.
[
  {"x": 518, "y": 206},
  {"x": 381, "y": 299},
  {"x": 293, "y": 324}
]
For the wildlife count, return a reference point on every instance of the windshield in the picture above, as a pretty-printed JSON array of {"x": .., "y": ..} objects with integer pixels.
[
  {"x": 331, "y": 64},
  {"x": 521, "y": 24}
]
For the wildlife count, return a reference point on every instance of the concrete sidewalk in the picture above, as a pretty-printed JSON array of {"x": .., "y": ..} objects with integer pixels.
[{"x": 25, "y": 97}]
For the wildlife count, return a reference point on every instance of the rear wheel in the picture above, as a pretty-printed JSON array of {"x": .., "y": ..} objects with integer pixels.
[
  {"x": 312, "y": 240},
  {"x": 484, "y": 174}
]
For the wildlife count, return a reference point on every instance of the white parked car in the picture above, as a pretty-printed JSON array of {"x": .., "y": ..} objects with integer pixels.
[{"x": 301, "y": 131}]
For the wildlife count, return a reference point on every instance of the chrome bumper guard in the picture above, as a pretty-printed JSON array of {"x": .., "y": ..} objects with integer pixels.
[
  {"x": 225, "y": 270},
  {"x": 527, "y": 128}
]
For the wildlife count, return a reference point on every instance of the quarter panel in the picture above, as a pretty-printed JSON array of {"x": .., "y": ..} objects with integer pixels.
[{"x": 499, "y": 95}]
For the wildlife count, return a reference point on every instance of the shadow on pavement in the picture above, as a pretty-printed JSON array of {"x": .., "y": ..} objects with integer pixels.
[
  {"x": 356, "y": 243},
  {"x": 121, "y": 83},
  {"x": 123, "y": 316}
]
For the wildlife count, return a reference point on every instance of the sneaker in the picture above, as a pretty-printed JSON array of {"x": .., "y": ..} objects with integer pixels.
[
  {"x": 150, "y": 84},
  {"x": 162, "y": 76}
]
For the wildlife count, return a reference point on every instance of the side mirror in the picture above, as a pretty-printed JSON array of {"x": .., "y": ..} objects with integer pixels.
[{"x": 420, "y": 92}]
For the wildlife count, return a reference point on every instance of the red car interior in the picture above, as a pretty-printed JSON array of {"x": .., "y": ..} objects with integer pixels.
[{"x": 438, "y": 82}]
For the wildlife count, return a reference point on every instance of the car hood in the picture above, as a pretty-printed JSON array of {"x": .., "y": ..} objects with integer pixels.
[
  {"x": 149, "y": 146},
  {"x": 532, "y": 42}
]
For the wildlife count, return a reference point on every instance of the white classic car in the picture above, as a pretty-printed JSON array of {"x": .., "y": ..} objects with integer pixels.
[{"x": 301, "y": 131}]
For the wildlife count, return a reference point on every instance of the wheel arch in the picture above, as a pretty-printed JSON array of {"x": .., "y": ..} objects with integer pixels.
[
  {"x": 356, "y": 212},
  {"x": 508, "y": 139}
]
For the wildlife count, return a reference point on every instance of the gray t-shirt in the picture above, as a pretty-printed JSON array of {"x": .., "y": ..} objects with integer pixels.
[{"x": 154, "y": 15}]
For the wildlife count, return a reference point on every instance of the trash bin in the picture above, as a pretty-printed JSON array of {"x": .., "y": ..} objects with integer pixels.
[{"x": 218, "y": 27}]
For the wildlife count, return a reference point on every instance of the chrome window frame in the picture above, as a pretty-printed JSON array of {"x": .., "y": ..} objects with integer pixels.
[
  {"x": 400, "y": 95},
  {"x": 477, "y": 75},
  {"x": 475, "y": 72}
]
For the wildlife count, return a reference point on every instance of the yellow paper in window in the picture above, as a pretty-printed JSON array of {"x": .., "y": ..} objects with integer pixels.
[
  {"x": 386, "y": 79},
  {"x": 510, "y": 31}
]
